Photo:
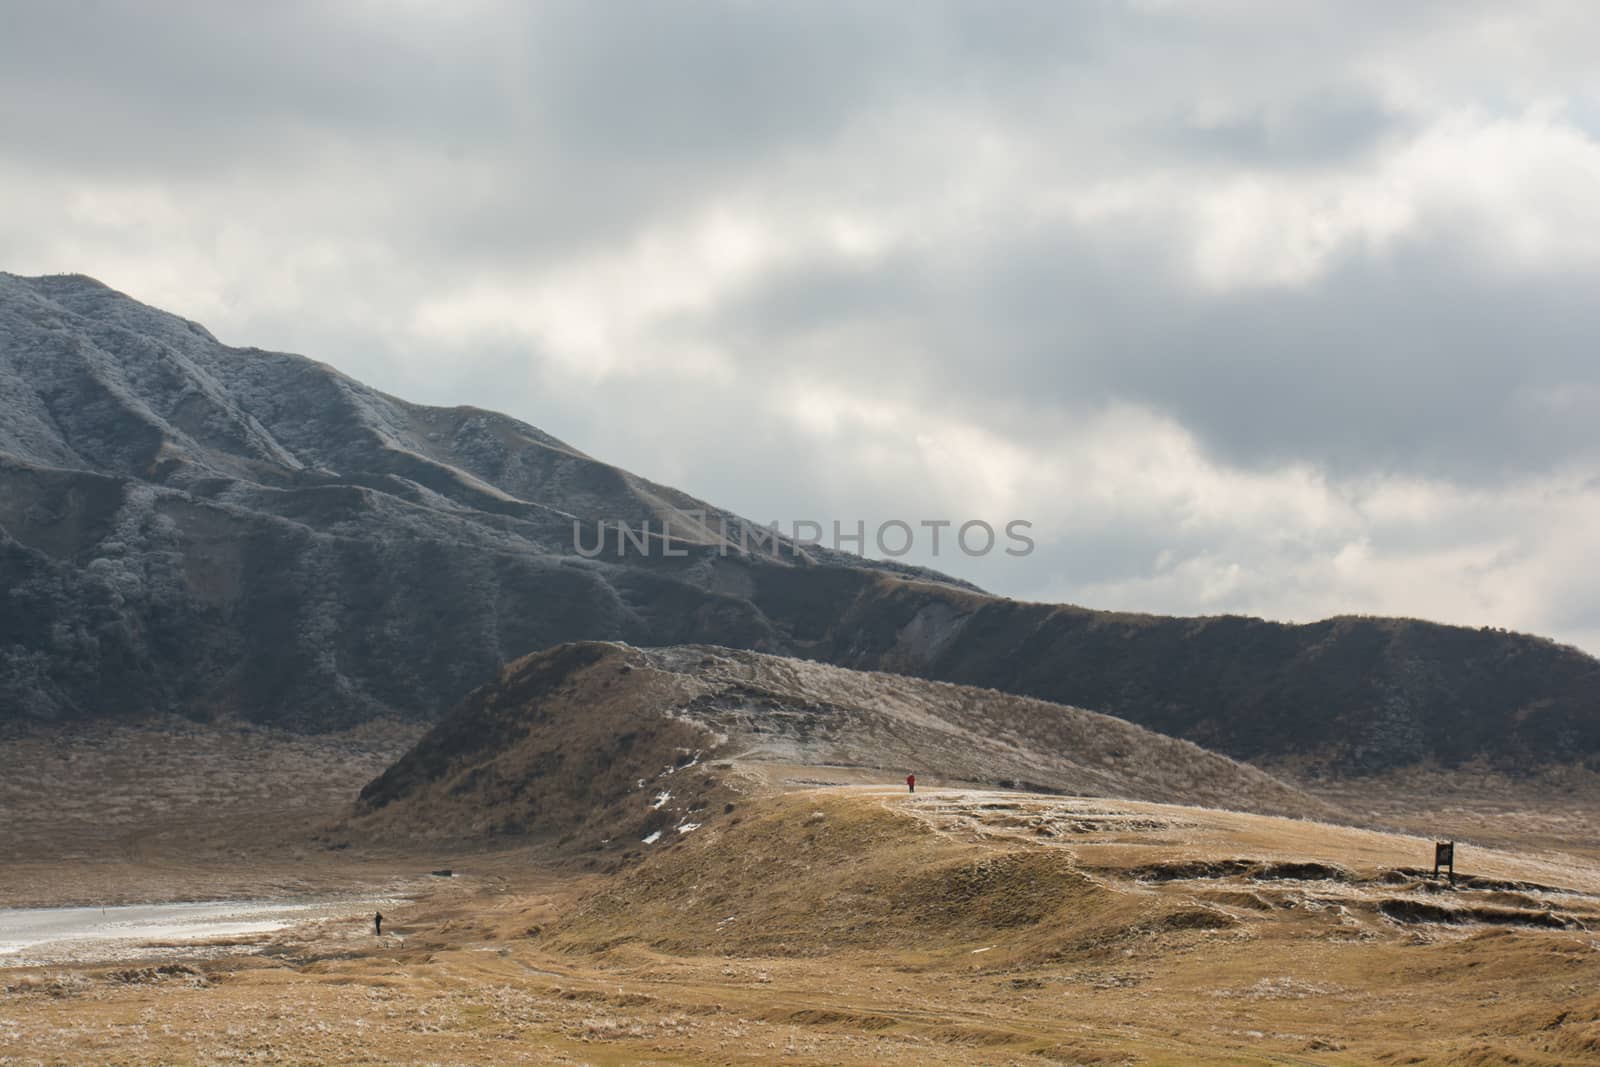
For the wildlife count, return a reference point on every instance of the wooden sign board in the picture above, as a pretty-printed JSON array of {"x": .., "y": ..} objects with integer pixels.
[{"x": 1444, "y": 855}]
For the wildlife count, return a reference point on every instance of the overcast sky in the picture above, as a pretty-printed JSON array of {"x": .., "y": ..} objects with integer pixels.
[{"x": 1281, "y": 308}]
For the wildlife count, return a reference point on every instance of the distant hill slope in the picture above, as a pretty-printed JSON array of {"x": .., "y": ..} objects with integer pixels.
[
  {"x": 603, "y": 740},
  {"x": 191, "y": 527},
  {"x": 1352, "y": 693}
]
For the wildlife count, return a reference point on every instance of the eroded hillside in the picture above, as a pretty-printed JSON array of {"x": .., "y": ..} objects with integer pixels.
[{"x": 607, "y": 743}]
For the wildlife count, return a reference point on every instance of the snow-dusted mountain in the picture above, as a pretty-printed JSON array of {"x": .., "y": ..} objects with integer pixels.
[{"x": 192, "y": 527}]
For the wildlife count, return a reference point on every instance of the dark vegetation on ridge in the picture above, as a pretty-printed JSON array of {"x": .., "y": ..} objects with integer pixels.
[{"x": 187, "y": 526}]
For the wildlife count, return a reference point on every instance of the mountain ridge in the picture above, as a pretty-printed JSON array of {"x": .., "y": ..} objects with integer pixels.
[{"x": 191, "y": 527}]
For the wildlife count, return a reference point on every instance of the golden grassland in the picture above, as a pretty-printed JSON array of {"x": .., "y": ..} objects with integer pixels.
[{"x": 855, "y": 924}]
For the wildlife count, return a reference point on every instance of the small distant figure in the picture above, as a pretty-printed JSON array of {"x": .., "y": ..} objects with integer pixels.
[
  {"x": 911, "y": 783},
  {"x": 377, "y": 923}
]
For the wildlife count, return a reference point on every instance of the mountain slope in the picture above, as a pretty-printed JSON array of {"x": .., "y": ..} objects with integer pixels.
[
  {"x": 607, "y": 741},
  {"x": 1356, "y": 693},
  {"x": 192, "y": 527}
]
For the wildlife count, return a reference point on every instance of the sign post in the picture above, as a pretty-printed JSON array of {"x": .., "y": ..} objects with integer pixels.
[{"x": 1444, "y": 855}]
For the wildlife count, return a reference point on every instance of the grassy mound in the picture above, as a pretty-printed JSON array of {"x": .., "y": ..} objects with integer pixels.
[{"x": 818, "y": 874}]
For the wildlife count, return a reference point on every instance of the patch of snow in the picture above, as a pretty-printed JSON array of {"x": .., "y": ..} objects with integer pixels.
[
  {"x": 685, "y": 827},
  {"x": 653, "y": 838},
  {"x": 693, "y": 760},
  {"x": 661, "y": 798}
]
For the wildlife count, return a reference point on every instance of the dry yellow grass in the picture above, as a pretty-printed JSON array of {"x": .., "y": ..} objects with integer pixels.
[
  {"x": 856, "y": 925},
  {"x": 828, "y": 918}
]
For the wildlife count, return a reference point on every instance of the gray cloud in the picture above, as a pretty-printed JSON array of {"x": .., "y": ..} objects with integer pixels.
[
  {"x": 1419, "y": 360},
  {"x": 1251, "y": 306},
  {"x": 1315, "y": 130}
]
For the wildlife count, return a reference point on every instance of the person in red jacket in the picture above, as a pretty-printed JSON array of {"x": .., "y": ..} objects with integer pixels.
[{"x": 911, "y": 782}]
